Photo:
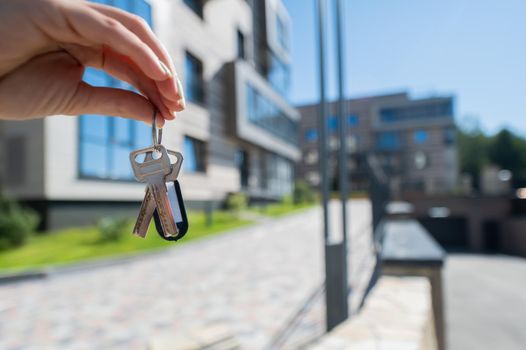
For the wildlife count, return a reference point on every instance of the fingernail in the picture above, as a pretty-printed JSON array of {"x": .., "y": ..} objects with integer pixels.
[
  {"x": 165, "y": 69},
  {"x": 182, "y": 100},
  {"x": 174, "y": 114}
]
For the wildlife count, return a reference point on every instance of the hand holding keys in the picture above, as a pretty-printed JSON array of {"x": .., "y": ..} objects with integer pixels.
[{"x": 163, "y": 200}]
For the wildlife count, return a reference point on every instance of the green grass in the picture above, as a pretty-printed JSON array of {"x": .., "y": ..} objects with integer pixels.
[
  {"x": 77, "y": 244},
  {"x": 284, "y": 208}
]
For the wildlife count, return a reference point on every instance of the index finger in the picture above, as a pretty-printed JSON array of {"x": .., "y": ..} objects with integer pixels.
[{"x": 102, "y": 30}]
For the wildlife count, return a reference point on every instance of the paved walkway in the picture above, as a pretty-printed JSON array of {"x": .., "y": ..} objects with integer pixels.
[
  {"x": 252, "y": 280},
  {"x": 485, "y": 302}
]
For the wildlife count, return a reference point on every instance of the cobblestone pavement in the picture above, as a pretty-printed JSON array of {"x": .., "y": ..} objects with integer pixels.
[
  {"x": 252, "y": 280},
  {"x": 485, "y": 302}
]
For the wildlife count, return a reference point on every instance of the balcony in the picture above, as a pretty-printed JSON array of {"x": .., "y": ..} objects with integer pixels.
[{"x": 261, "y": 115}]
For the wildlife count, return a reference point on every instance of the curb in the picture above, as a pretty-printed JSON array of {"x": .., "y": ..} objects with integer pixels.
[
  {"x": 22, "y": 276},
  {"x": 47, "y": 272}
]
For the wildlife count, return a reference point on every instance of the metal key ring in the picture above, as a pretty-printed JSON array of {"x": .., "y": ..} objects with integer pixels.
[{"x": 157, "y": 134}]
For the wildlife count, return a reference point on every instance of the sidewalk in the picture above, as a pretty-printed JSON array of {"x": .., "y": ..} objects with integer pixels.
[{"x": 252, "y": 280}]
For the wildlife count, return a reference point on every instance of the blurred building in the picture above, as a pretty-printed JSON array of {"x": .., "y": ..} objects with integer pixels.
[
  {"x": 239, "y": 133},
  {"x": 413, "y": 140}
]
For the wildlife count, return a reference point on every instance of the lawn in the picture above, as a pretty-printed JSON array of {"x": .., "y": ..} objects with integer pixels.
[
  {"x": 76, "y": 244},
  {"x": 284, "y": 208}
]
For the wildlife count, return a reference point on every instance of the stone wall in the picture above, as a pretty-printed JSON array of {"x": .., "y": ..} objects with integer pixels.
[{"x": 398, "y": 314}]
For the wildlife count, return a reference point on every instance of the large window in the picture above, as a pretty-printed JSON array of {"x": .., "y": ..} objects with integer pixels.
[
  {"x": 265, "y": 114},
  {"x": 389, "y": 141},
  {"x": 279, "y": 75},
  {"x": 105, "y": 142},
  {"x": 194, "y": 82},
  {"x": 194, "y": 155},
  {"x": 196, "y": 6},
  {"x": 282, "y": 33},
  {"x": 423, "y": 111}
]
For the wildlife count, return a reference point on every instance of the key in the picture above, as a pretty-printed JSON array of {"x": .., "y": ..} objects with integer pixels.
[
  {"x": 179, "y": 213},
  {"x": 148, "y": 205},
  {"x": 153, "y": 172}
]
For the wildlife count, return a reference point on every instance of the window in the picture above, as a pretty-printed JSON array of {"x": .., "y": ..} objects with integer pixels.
[
  {"x": 240, "y": 45},
  {"x": 279, "y": 75},
  {"x": 196, "y": 6},
  {"x": 353, "y": 120},
  {"x": 332, "y": 123},
  {"x": 420, "y": 137},
  {"x": 242, "y": 161},
  {"x": 194, "y": 83},
  {"x": 265, "y": 114},
  {"x": 194, "y": 155},
  {"x": 282, "y": 33},
  {"x": 420, "y": 111},
  {"x": 105, "y": 142},
  {"x": 388, "y": 141},
  {"x": 311, "y": 135}
]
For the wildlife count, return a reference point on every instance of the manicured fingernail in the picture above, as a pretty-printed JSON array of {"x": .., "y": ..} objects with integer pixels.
[
  {"x": 165, "y": 69},
  {"x": 182, "y": 100}
]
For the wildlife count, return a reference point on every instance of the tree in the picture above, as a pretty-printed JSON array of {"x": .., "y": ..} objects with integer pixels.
[
  {"x": 504, "y": 149},
  {"x": 508, "y": 151},
  {"x": 473, "y": 152}
]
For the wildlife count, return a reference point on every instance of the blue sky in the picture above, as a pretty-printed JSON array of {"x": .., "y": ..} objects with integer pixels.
[{"x": 475, "y": 50}]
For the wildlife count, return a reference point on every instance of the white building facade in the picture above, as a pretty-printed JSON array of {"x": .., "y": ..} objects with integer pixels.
[{"x": 238, "y": 132}]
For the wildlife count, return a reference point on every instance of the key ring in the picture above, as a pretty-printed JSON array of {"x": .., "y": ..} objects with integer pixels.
[{"x": 157, "y": 134}]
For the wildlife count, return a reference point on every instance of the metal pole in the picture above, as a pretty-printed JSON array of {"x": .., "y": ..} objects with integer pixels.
[
  {"x": 322, "y": 127},
  {"x": 343, "y": 161},
  {"x": 335, "y": 284}
]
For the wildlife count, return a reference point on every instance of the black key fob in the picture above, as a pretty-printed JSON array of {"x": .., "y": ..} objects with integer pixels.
[{"x": 178, "y": 211}]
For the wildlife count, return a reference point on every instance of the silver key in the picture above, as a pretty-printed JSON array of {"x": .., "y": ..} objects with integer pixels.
[
  {"x": 153, "y": 172},
  {"x": 148, "y": 204}
]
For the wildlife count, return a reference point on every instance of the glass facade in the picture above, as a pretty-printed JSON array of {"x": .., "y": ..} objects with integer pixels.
[
  {"x": 266, "y": 115},
  {"x": 282, "y": 32},
  {"x": 194, "y": 82},
  {"x": 105, "y": 142},
  {"x": 279, "y": 75},
  {"x": 431, "y": 110}
]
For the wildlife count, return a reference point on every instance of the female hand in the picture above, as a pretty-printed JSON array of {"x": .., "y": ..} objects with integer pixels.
[{"x": 45, "y": 46}]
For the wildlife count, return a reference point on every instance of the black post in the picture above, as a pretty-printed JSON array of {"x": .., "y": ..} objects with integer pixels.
[
  {"x": 322, "y": 113},
  {"x": 342, "y": 154},
  {"x": 335, "y": 269}
]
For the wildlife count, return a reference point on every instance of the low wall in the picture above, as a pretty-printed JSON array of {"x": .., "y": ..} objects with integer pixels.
[
  {"x": 514, "y": 236},
  {"x": 397, "y": 314}
]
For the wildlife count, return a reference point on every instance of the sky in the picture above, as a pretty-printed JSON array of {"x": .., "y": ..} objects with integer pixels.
[{"x": 473, "y": 50}]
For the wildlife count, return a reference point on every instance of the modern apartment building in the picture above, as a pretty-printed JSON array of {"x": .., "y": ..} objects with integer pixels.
[
  {"x": 238, "y": 132},
  {"x": 412, "y": 139}
]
